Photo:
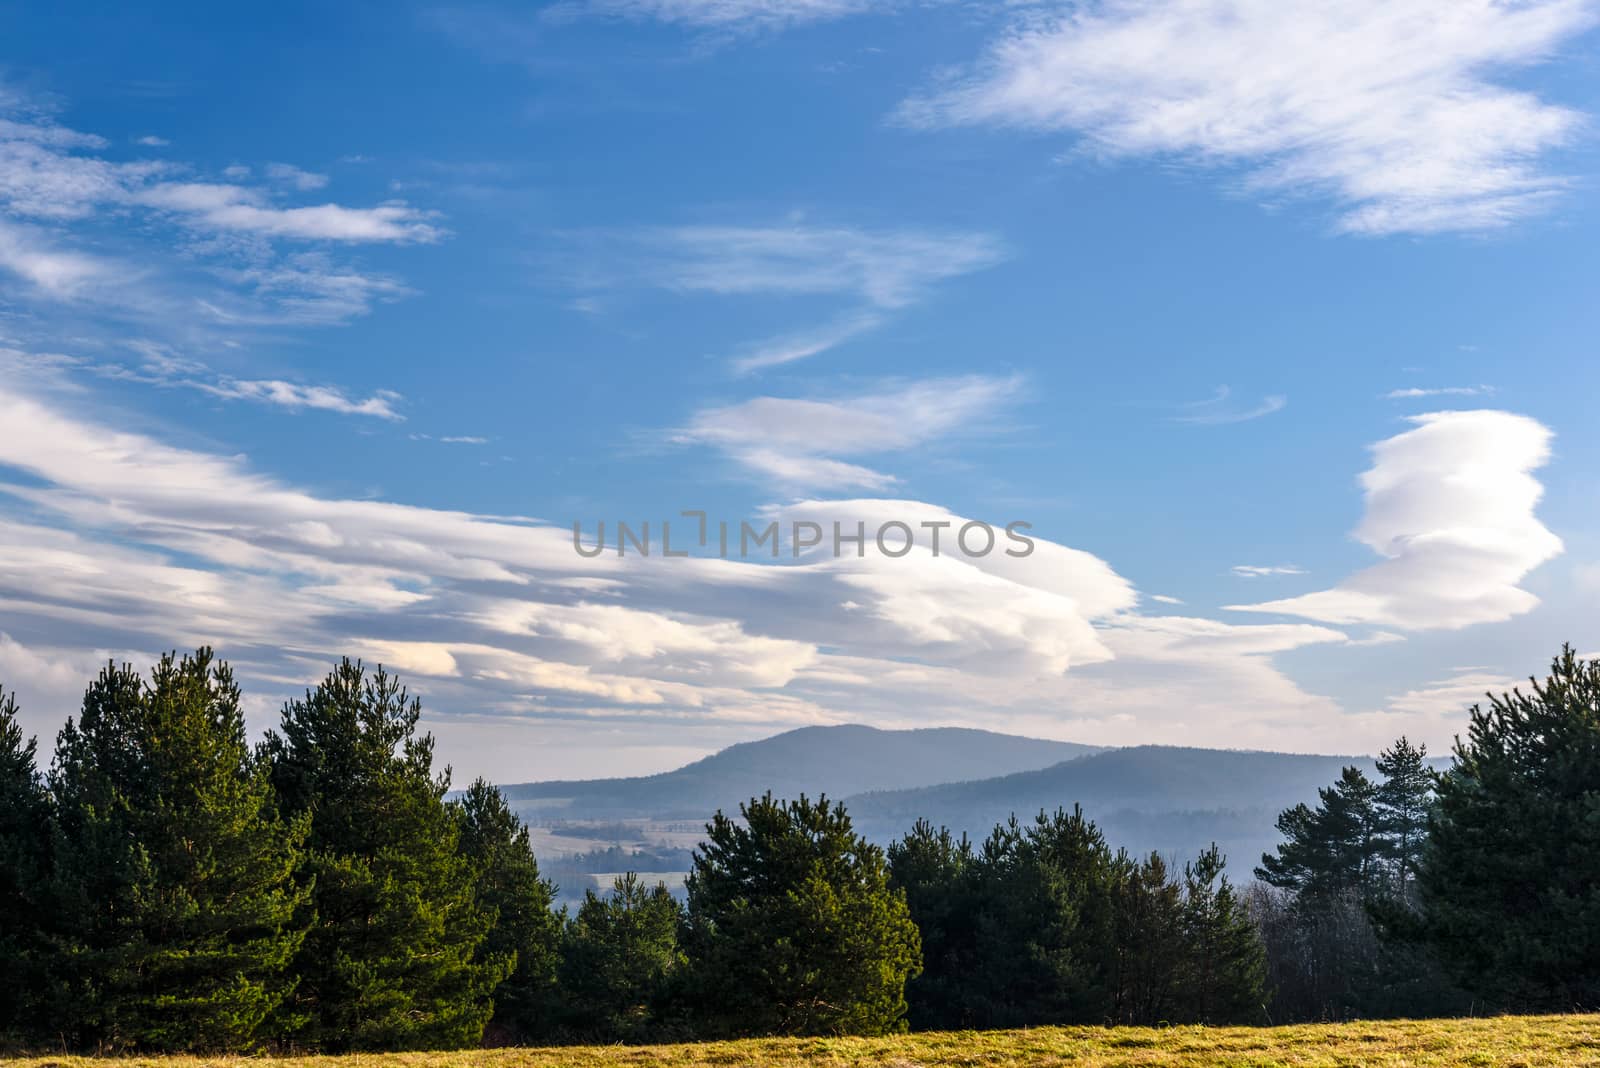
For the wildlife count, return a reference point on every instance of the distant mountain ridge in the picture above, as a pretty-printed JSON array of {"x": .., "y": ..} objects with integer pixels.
[
  {"x": 1173, "y": 800},
  {"x": 838, "y": 761}
]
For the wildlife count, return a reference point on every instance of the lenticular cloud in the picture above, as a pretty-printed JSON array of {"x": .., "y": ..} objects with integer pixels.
[{"x": 1450, "y": 506}]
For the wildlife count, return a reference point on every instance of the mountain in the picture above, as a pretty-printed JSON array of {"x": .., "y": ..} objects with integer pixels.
[
  {"x": 836, "y": 761},
  {"x": 1166, "y": 799}
]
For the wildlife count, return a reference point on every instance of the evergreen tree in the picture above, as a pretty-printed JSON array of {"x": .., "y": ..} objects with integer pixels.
[
  {"x": 1147, "y": 965},
  {"x": 1335, "y": 849},
  {"x": 173, "y": 885},
  {"x": 619, "y": 955},
  {"x": 394, "y": 961},
  {"x": 1403, "y": 800},
  {"x": 24, "y": 859},
  {"x": 1510, "y": 881},
  {"x": 526, "y": 927},
  {"x": 792, "y": 927},
  {"x": 934, "y": 871},
  {"x": 1044, "y": 938},
  {"x": 1225, "y": 964}
]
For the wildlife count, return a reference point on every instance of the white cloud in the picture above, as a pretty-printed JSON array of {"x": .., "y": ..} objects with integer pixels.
[
  {"x": 152, "y": 141},
  {"x": 291, "y": 175},
  {"x": 119, "y": 541},
  {"x": 45, "y": 173},
  {"x": 307, "y": 288},
  {"x": 871, "y": 272},
  {"x": 1443, "y": 391},
  {"x": 1217, "y": 411},
  {"x": 198, "y": 265},
  {"x": 777, "y": 351},
  {"x": 883, "y": 268},
  {"x": 1265, "y": 571},
  {"x": 295, "y": 397},
  {"x": 52, "y": 272},
  {"x": 1161, "y": 598},
  {"x": 1449, "y": 698},
  {"x": 1389, "y": 107},
  {"x": 161, "y": 366},
  {"x": 727, "y": 14},
  {"x": 213, "y": 206},
  {"x": 1450, "y": 507},
  {"x": 799, "y": 442}
]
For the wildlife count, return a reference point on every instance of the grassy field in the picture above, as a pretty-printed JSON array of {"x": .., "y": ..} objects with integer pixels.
[{"x": 1528, "y": 1041}]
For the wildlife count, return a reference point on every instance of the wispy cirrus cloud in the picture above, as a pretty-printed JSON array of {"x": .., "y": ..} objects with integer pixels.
[
  {"x": 51, "y": 271},
  {"x": 1220, "y": 410},
  {"x": 51, "y": 172},
  {"x": 295, "y": 397},
  {"x": 875, "y": 273},
  {"x": 100, "y": 243},
  {"x": 160, "y": 367},
  {"x": 1387, "y": 107},
  {"x": 1450, "y": 505},
  {"x": 1415, "y": 393},
  {"x": 1265, "y": 570},
  {"x": 884, "y": 269},
  {"x": 804, "y": 442},
  {"x": 788, "y": 348},
  {"x": 737, "y": 14}
]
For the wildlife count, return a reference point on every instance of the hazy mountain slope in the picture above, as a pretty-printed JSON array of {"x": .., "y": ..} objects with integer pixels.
[
  {"x": 1164, "y": 798},
  {"x": 833, "y": 760}
]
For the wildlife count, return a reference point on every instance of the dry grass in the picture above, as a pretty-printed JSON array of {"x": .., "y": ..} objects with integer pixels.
[{"x": 1527, "y": 1041}]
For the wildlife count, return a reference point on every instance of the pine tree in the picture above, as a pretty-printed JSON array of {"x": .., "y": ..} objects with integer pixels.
[
  {"x": 619, "y": 956},
  {"x": 1225, "y": 964},
  {"x": 1403, "y": 800},
  {"x": 24, "y": 861},
  {"x": 394, "y": 960},
  {"x": 1150, "y": 938},
  {"x": 1044, "y": 940},
  {"x": 525, "y": 927},
  {"x": 792, "y": 927},
  {"x": 1509, "y": 885},
  {"x": 173, "y": 883},
  {"x": 934, "y": 870},
  {"x": 1335, "y": 849}
]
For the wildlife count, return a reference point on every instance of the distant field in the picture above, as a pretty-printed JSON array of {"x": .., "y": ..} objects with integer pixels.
[{"x": 1525, "y": 1041}]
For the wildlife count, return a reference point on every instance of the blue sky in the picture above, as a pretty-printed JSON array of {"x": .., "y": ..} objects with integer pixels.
[{"x": 319, "y": 329}]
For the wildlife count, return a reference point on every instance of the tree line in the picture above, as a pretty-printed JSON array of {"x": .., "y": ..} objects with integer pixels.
[
  {"x": 1474, "y": 889},
  {"x": 165, "y": 885}
]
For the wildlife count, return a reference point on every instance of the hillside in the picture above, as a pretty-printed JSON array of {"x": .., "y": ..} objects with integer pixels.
[
  {"x": 1529, "y": 1041},
  {"x": 837, "y": 761},
  {"x": 1170, "y": 799}
]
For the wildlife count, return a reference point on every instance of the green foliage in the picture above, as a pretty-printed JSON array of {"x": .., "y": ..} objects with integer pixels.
[
  {"x": 1348, "y": 862},
  {"x": 1043, "y": 924},
  {"x": 395, "y": 960},
  {"x": 1404, "y": 800},
  {"x": 619, "y": 955},
  {"x": 1147, "y": 974},
  {"x": 1334, "y": 849},
  {"x": 1224, "y": 962},
  {"x": 934, "y": 869},
  {"x": 1045, "y": 929},
  {"x": 173, "y": 887},
  {"x": 526, "y": 928},
  {"x": 24, "y": 858},
  {"x": 1510, "y": 881},
  {"x": 792, "y": 927}
]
